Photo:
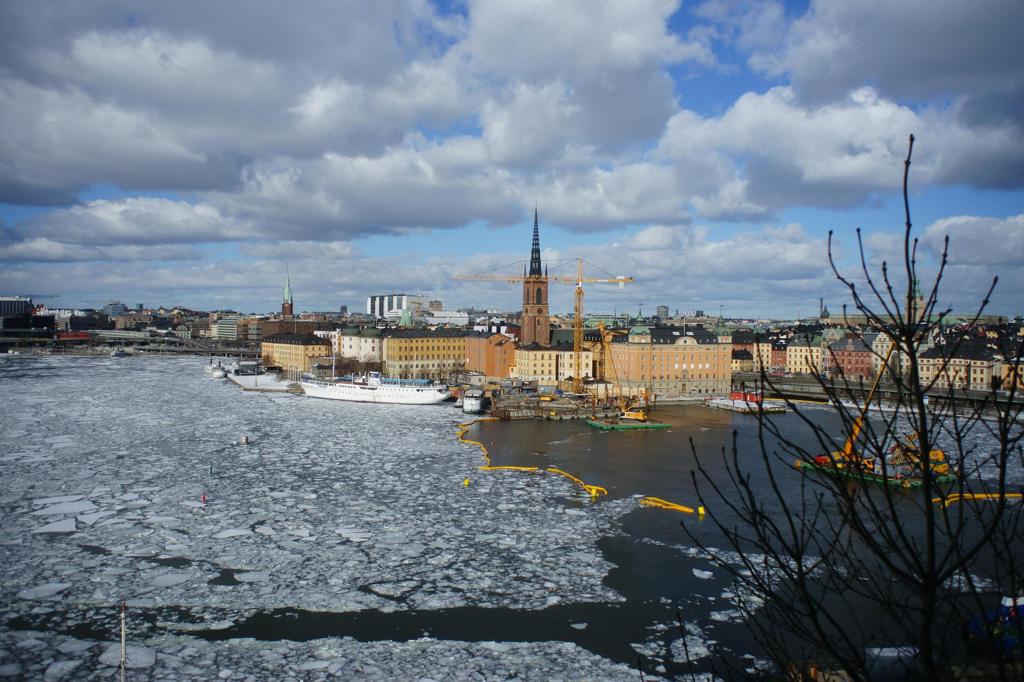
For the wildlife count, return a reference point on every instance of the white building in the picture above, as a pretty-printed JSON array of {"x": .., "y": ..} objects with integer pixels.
[
  {"x": 455, "y": 318},
  {"x": 226, "y": 329},
  {"x": 392, "y": 305}
]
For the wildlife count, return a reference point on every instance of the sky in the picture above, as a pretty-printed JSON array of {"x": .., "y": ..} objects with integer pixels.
[{"x": 192, "y": 153}]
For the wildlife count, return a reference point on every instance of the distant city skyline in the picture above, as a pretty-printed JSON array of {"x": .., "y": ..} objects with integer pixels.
[{"x": 182, "y": 155}]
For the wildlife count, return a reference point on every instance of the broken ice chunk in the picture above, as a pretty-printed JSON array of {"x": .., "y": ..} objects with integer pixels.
[
  {"x": 43, "y": 591},
  {"x": 232, "y": 533},
  {"x": 62, "y": 526},
  {"x": 66, "y": 508}
]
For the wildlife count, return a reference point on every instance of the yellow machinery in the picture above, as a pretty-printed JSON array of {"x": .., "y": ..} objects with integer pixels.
[
  {"x": 905, "y": 455},
  {"x": 635, "y": 409}
]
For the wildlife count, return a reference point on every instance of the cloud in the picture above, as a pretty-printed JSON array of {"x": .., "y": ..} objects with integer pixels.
[
  {"x": 47, "y": 250},
  {"x": 770, "y": 150},
  {"x": 992, "y": 243},
  {"x": 919, "y": 49},
  {"x": 134, "y": 220}
]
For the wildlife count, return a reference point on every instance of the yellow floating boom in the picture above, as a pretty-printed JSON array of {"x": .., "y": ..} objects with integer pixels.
[
  {"x": 672, "y": 506},
  {"x": 960, "y": 497}
]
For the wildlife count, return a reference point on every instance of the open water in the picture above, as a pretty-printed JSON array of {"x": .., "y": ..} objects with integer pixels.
[{"x": 348, "y": 540}]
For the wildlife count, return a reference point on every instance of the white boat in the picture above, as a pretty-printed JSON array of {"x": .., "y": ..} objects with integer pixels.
[
  {"x": 473, "y": 401},
  {"x": 218, "y": 372},
  {"x": 118, "y": 354},
  {"x": 373, "y": 388}
]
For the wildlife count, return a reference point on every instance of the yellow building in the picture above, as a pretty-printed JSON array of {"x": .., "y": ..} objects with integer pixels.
[
  {"x": 671, "y": 362},
  {"x": 742, "y": 361},
  {"x": 1012, "y": 373},
  {"x": 424, "y": 354},
  {"x": 293, "y": 352},
  {"x": 762, "y": 353},
  {"x": 804, "y": 357},
  {"x": 967, "y": 366},
  {"x": 548, "y": 365}
]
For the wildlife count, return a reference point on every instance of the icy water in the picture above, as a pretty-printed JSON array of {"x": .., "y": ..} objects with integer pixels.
[{"x": 344, "y": 540}]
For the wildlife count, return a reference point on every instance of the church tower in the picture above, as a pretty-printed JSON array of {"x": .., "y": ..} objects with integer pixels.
[
  {"x": 534, "y": 322},
  {"x": 286, "y": 300}
]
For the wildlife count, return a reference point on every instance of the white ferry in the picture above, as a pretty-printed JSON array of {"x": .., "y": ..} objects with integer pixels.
[
  {"x": 373, "y": 388},
  {"x": 473, "y": 401}
]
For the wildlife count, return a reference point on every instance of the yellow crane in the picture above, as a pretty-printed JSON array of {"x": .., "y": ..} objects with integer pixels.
[{"x": 579, "y": 280}]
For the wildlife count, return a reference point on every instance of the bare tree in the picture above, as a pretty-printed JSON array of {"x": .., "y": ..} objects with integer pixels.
[{"x": 902, "y": 536}]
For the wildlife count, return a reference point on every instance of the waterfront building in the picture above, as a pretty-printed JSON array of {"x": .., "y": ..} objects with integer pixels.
[
  {"x": 671, "y": 362},
  {"x": 804, "y": 356},
  {"x": 363, "y": 345},
  {"x": 966, "y": 365},
  {"x": 534, "y": 322},
  {"x": 851, "y": 357},
  {"x": 293, "y": 352},
  {"x": 1011, "y": 373},
  {"x": 226, "y": 328},
  {"x": 424, "y": 354},
  {"x": 550, "y": 365},
  {"x": 762, "y": 352},
  {"x": 491, "y": 354},
  {"x": 778, "y": 357}
]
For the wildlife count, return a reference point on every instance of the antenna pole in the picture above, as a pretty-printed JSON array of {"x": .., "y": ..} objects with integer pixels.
[{"x": 124, "y": 653}]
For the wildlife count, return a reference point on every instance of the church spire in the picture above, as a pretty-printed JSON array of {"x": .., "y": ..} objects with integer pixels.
[
  {"x": 535, "y": 270},
  {"x": 287, "y": 286}
]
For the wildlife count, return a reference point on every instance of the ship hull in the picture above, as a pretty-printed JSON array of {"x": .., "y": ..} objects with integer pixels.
[{"x": 376, "y": 393}]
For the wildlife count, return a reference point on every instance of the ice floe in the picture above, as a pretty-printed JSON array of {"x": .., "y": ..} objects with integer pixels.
[
  {"x": 62, "y": 526},
  {"x": 43, "y": 591}
]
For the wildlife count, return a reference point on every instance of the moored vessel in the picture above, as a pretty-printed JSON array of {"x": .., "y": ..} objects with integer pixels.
[
  {"x": 374, "y": 388},
  {"x": 473, "y": 401}
]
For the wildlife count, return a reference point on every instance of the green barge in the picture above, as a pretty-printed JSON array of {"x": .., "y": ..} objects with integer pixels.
[
  {"x": 905, "y": 482},
  {"x": 606, "y": 425}
]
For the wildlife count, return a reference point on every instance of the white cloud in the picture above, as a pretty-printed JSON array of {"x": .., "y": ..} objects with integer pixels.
[
  {"x": 994, "y": 243},
  {"x": 908, "y": 49},
  {"x": 770, "y": 150},
  {"x": 42, "y": 249},
  {"x": 135, "y": 220}
]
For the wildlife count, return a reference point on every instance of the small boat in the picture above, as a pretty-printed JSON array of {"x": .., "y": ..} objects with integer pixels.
[
  {"x": 118, "y": 353},
  {"x": 473, "y": 401},
  {"x": 218, "y": 372}
]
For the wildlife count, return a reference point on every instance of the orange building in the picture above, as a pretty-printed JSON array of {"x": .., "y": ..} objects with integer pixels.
[
  {"x": 490, "y": 354},
  {"x": 671, "y": 363}
]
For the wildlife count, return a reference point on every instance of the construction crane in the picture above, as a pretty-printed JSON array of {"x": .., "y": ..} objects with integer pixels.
[{"x": 578, "y": 281}]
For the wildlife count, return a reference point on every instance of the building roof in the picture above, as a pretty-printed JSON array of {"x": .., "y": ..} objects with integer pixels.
[
  {"x": 428, "y": 333},
  {"x": 296, "y": 339},
  {"x": 964, "y": 351}
]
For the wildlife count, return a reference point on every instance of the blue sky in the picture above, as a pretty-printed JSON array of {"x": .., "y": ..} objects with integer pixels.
[{"x": 183, "y": 154}]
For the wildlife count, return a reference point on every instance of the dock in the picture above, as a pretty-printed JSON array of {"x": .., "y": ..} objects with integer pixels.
[{"x": 748, "y": 406}]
